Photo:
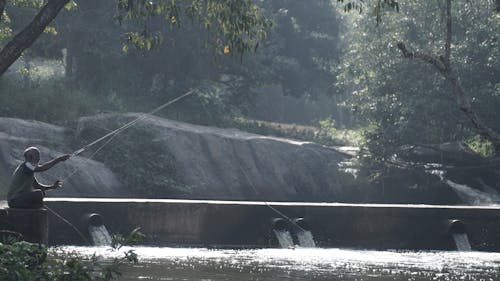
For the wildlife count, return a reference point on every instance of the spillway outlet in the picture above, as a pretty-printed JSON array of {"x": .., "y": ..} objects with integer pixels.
[
  {"x": 94, "y": 219},
  {"x": 456, "y": 227},
  {"x": 301, "y": 223},
  {"x": 279, "y": 224}
]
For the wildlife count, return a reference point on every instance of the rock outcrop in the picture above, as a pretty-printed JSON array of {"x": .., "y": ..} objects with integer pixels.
[
  {"x": 473, "y": 178},
  {"x": 160, "y": 158},
  {"x": 175, "y": 159}
]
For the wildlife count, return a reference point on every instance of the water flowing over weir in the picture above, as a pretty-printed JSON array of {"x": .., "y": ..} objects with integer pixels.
[
  {"x": 458, "y": 232},
  {"x": 462, "y": 242},
  {"x": 306, "y": 239},
  {"x": 283, "y": 229},
  {"x": 98, "y": 232},
  {"x": 100, "y": 235},
  {"x": 303, "y": 233},
  {"x": 284, "y": 238},
  {"x": 473, "y": 196}
]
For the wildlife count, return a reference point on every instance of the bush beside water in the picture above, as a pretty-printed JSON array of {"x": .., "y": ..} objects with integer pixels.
[{"x": 23, "y": 261}]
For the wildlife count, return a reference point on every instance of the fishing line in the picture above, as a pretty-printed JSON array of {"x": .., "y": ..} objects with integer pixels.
[
  {"x": 115, "y": 132},
  {"x": 87, "y": 159},
  {"x": 257, "y": 193},
  {"x": 131, "y": 123},
  {"x": 267, "y": 204},
  {"x": 70, "y": 224}
]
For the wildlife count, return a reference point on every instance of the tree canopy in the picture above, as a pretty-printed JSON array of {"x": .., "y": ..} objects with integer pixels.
[{"x": 235, "y": 26}]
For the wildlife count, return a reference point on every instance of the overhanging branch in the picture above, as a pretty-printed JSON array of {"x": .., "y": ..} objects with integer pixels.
[
  {"x": 442, "y": 64},
  {"x": 23, "y": 40},
  {"x": 447, "y": 44},
  {"x": 2, "y": 8},
  {"x": 422, "y": 56}
]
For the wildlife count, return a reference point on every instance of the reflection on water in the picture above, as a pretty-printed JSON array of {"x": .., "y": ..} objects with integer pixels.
[{"x": 304, "y": 264}]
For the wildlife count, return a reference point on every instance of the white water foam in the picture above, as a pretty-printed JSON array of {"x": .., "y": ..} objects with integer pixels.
[{"x": 473, "y": 196}]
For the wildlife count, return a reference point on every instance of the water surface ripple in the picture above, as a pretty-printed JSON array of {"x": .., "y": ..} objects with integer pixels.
[{"x": 162, "y": 263}]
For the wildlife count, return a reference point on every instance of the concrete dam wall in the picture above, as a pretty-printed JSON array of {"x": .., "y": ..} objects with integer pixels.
[{"x": 238, "y": 224}]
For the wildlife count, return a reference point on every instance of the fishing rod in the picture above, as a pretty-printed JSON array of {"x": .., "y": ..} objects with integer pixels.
[
  {"x": 131, "y": 123},
  {"x": 70, "y": 224},
  {"x": 281, "y": 214}
]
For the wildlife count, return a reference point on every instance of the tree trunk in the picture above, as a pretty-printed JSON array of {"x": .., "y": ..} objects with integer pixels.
[
  {"x": 23, "y": 40},
  {"x": 2, "y": 8},
  {"x": 465, "y": 106}
]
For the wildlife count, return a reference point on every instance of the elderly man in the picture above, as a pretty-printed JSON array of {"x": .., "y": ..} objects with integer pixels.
[{"x": 24, "y": 190}]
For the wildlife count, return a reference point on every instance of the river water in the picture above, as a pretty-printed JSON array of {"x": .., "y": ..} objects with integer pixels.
[{"x": 189, "y": 264}]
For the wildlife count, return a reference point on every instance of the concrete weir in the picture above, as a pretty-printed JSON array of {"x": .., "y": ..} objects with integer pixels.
[
  {"x": 29, "y": 225},
  {"x": 251, "y": 224}
]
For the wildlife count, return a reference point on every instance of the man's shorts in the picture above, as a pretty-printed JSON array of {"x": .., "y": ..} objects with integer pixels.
[{"x": 29, "y": 200}]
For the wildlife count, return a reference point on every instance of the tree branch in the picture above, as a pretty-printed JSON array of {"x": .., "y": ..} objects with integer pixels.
[
  {"x": 436, "y": 62},
  {"x": 460, "y": 96},
  {"x": 13, "y": 50},
  {"x": 465, "y": 106},
  {"x": 447, "y": 44},
  {"x": 2, "y": 8},
  {"x": 442, "y": 64}
]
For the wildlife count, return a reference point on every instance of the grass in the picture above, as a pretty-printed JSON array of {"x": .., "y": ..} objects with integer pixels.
[{"x": 325, "y": 132}]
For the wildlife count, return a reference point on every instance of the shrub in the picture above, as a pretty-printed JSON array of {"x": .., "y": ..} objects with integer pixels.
[{"x": 23, "y": 261}]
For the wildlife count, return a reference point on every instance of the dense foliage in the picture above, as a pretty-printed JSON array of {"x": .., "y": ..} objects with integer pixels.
[
  {"x": 235, "y": 26},
  {"x": 23, "y": 261},
  {"x": 299, "y": 55},
  {"x": 310, "y": 50}
]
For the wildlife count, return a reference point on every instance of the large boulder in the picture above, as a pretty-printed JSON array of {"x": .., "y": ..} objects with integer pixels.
[
  {"x": 87, "y": 178},
  {"x": 474, "y": 179},
  {"x": 164, "y": 158},
  {"x": 450, "y": 154}
]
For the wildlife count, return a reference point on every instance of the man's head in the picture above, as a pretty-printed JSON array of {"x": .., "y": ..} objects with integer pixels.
[{"x": 32, "y": 155}]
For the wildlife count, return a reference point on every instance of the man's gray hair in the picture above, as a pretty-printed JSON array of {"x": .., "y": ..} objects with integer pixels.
[{"x": 30, "y": 150}]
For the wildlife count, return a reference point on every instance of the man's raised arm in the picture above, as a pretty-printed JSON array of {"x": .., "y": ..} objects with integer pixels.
[{"x": 51, "y": 163}]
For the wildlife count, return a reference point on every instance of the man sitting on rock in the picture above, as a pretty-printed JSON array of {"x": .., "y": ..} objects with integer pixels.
[{"x": 24, "y": 190}]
